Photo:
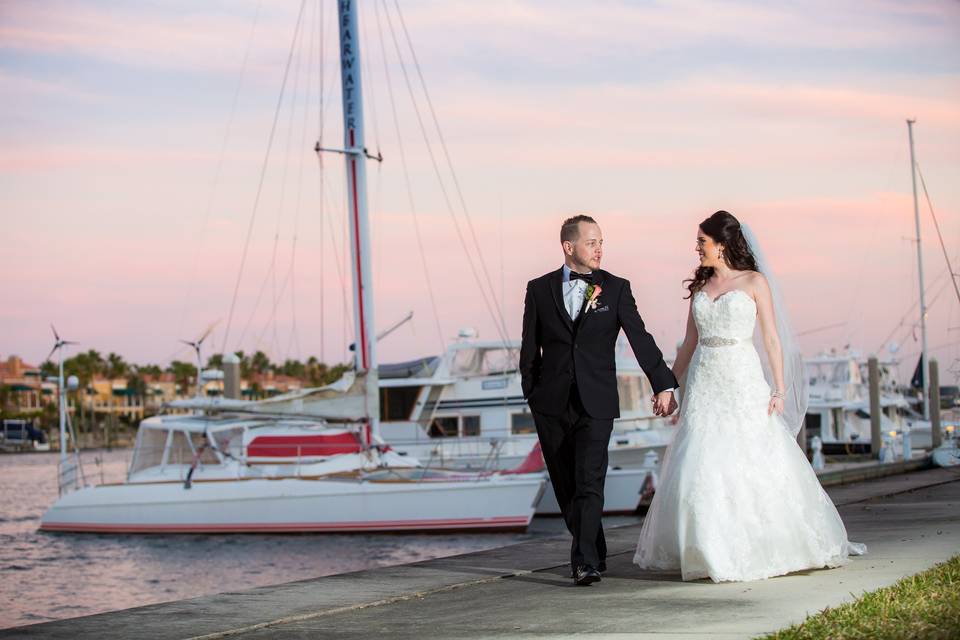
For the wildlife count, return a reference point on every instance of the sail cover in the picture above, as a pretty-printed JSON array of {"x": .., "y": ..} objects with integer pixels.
[{"x": 340, "y": 401}]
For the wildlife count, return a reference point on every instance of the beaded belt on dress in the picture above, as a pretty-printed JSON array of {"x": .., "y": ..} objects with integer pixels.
[{"x": 717, "y": 341}]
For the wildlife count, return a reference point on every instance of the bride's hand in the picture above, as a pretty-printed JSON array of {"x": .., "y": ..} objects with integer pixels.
[{"x": 776, "y": 404}]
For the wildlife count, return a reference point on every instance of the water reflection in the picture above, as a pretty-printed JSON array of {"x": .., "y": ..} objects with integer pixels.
[{"x": 46, "y": 576}]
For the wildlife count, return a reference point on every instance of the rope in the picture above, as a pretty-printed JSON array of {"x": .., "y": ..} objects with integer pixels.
[
  {"x": 936, "y": 225},
  {"x": 333, "y": 244},
  {"x": 219, "y": 169},
  {"x": 453, "y": 173},
  {"x": 322, "y": 90},
  {"x": 406, "y": 177},
  {"x": 443, "y": 188},
  {"x": 263, "y": 171},
  {"x": 294, "y": 335},
  {"x": 913, "y": 305},
  {"x": 272, "y": 325}
]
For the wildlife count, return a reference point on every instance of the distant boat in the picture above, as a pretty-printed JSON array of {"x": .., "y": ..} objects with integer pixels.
[
  {"x": 20, "y": 435},
  {"x": 839, "y": 407}
]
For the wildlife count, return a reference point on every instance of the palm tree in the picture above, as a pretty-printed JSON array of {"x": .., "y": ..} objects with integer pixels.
[
  {"x": 294, "y": 368},
  {"x": 149, "y": 370},
  {"x": 260, "y": 363},
  {"x": 85, "y": 365},
  {"x": 116, "y": 366},
  {"x": 137, "y": 387},
  {"x": 183, "y": 374}
]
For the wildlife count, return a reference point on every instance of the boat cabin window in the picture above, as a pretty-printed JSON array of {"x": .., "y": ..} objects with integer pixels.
[
  {"x": 396, "y": 403},
  {"x": 813, "y": 424},
  {"x": 521, "y": 423},
  {"x": 452, "y": 426},
  {"x": 485, "y": 361},
  {"x": 470, "y": 425},
  {"x": 443, "y": 427}
]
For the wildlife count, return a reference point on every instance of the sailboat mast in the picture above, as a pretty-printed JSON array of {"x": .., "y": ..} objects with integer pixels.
[
  {"x": 924, "y": 372},
  {"x": 365, "y": 353},
  {"x": 62, "y": 401}
]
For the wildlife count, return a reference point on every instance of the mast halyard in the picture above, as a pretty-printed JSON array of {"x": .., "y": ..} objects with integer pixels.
[
  {"x": 365, "y": 353},
  {"x": 924, "y": 371}
]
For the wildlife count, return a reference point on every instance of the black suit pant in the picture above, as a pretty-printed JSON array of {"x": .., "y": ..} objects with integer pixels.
[{"x": 575, "y": 449}]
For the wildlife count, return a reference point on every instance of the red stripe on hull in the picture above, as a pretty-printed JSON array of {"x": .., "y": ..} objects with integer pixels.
[{"x": 463, "y": 524}]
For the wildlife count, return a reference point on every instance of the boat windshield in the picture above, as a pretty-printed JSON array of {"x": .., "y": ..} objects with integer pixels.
[
  {"x": 148, "y": 451},
  {"x": 485, "y": 361},
  {"x": 151, "y": 444}
]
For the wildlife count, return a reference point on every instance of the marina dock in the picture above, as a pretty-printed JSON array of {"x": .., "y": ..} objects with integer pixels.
[{"x": 909, "y": 521}]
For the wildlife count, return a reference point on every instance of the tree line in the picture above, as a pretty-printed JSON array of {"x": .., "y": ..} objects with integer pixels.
[{"x": 91, "y": 364}]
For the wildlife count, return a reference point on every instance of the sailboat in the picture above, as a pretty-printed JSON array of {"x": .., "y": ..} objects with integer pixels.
[
  {"x": 312, "y": 463},
  {"x": 840, "y": 408}
]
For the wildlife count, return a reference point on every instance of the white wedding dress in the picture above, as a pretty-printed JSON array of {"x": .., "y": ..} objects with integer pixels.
[{"x": 736, "y": 499}]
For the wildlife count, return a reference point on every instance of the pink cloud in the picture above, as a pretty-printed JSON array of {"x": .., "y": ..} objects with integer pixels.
[{"x": 147, "y": 38}]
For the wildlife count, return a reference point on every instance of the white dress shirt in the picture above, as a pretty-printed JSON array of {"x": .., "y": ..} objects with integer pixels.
[{"x": 573, "y": 293}]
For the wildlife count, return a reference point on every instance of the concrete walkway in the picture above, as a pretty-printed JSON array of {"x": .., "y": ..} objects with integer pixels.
[{"x": 909, "y": 522}]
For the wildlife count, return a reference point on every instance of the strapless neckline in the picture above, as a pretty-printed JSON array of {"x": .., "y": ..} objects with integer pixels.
[{"x": 725, "y": 294}]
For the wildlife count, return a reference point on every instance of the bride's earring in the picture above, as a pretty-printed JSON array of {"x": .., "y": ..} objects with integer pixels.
[{"x": 720, "y": 255}]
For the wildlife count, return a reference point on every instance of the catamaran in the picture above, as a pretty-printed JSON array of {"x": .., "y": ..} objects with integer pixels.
[{"x": 319, "y": 462}]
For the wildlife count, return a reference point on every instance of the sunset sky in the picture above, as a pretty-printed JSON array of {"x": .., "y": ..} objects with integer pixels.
[{"x": 134, "y": 134}]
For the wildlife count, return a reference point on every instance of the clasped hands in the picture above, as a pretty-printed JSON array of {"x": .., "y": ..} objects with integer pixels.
[{"x": 664, "y": 403}]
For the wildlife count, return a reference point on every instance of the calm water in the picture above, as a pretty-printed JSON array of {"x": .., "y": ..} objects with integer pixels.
[{"x": 47, "y": 576}]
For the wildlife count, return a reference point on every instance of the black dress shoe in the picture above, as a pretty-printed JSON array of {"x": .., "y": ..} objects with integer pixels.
[
  {"x": 602, "y": 569},
  {"x": 586, "y": 575}
]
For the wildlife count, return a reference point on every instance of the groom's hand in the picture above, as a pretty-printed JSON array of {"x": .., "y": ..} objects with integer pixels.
[{"x": 664, "y": 403}]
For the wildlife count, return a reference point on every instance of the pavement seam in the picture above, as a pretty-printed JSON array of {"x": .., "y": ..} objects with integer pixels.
[
  {"x": 888, "y": 494},
  {"x": 356, "y": 607}
]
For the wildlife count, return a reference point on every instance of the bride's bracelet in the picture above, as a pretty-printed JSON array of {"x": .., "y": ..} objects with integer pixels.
[{"x": 778, "y": 394}]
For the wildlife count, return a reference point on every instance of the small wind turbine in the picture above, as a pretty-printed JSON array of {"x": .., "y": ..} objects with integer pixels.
[
  {"x": 197, "y": 344},
  {"x": 58, "y": 346}
]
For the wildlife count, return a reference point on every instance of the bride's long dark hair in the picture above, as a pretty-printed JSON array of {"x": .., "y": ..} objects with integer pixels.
[{"x": 722, "y": 227}]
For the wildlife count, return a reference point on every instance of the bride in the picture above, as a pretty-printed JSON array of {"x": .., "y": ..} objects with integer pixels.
[{"x": 737, "y": 499}]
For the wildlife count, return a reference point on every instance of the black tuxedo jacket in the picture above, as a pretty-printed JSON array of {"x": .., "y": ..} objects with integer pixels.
[{"x": 557, "y": 351}]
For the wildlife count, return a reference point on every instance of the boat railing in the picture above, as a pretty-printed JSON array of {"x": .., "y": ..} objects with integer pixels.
[{"x": 70, "y": 476}]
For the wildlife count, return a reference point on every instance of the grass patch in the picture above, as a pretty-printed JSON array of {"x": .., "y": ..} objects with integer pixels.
[{"x": 922, "y": 607}]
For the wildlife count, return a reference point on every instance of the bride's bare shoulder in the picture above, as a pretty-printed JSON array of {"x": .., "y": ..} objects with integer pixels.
[{"x": 757, "y": 285}]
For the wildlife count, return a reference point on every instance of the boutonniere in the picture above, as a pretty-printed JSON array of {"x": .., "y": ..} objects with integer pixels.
[{"x": 593, "y": 295}]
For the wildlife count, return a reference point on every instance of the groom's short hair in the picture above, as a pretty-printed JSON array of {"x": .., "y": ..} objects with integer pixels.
[{"x": 570, "y": 230}]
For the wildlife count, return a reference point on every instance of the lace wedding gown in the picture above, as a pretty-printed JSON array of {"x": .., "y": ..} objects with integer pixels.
[{"x": 737, "y": 499}]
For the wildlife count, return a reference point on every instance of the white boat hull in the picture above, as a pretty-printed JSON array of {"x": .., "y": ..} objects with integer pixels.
[
  {"x": 630, "y": 448},
  {"x": 622, "y": 493},
  {"x": 298, "y": 505}
]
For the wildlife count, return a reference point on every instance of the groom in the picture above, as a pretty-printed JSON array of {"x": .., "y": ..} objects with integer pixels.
[{"x": 571, "y": 320}]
